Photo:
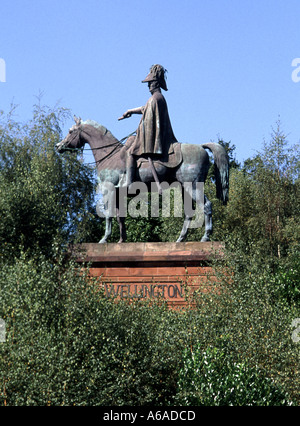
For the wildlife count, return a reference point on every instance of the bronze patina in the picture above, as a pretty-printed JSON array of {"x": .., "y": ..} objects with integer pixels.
[
  {"x": 154, "y": 137},
  {"x": 152, "y": 155}
]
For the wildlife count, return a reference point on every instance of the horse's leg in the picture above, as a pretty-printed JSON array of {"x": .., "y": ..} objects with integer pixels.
[
  {"x": 110, "y": 211},
  {"x": 184, "y": 231},
  {"x": 108, "y": 222},
  {"x": 120, "y": 206},
  {"x": 208, "y": 220},
  {"x": 194, "y": 195},
  {"x": 121, "y": 222},
  {"x": 186, "y": 223}
]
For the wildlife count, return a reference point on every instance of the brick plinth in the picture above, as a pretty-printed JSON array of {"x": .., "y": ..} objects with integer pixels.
[{"x": 138, "y": 270}]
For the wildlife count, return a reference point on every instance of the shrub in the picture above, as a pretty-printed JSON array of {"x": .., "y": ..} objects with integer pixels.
[
  {"x": 212, "y": 378},
  {"x": 67, "y": 344}
]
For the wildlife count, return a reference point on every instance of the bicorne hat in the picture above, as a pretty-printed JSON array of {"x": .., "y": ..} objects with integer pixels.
[{"x": 157, "y": 73}]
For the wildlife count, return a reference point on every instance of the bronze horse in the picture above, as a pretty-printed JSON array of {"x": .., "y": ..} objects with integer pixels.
[{"x": 110, "y": 157}]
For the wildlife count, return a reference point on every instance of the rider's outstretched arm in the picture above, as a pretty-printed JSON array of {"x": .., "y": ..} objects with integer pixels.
[{"x": 129, "y": 112}]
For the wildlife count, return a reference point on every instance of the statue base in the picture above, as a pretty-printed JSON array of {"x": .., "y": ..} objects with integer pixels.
[{"x": 170, "y": 271}]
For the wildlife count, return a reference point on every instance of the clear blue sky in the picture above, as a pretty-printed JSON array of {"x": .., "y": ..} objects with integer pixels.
[{"x": 229, "y": 63}]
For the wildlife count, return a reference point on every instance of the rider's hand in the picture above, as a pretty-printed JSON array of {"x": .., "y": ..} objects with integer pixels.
[{"x": 126, "y": 114}]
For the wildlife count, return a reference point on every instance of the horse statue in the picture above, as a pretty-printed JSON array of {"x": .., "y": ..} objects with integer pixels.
[{"x": 110, "y": 159}]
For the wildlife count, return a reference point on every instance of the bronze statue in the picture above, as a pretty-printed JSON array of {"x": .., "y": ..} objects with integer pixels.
[
  {"x": 190, "y": 167},
  {"x": 154, "y": 137},
  {"x": 153, "y": 155}
]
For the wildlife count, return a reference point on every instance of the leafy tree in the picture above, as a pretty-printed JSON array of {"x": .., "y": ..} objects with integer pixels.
[
  {"x": 44, "y": 197},
  {"x": 264, "y": 201},
  {"x": 67, "y": 344}
]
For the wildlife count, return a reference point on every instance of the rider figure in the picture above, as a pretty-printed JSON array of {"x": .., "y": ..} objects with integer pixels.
[{"x": 154, "y": 137}]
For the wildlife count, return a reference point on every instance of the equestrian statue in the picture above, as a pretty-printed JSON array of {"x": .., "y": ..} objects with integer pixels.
[{"x": 151, "y": 155}]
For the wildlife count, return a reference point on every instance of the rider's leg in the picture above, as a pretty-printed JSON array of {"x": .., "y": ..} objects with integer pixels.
[{"x": 130, "y": 169}]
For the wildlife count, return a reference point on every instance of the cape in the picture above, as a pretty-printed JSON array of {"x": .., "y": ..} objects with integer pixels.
[{"x": 154, "y": 134}]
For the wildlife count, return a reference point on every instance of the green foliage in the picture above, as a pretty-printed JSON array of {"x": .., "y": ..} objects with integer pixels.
[
  {"x": 286, "y": 278},
  {"x": 67, "y": 344},
  {"x": 211, "y": 378},
  {"x": 263, "y": 211},
  {"x": 43, "y": 197},
  {"x": 257, "y": 318},
  {"x": 141, "y": 228}
]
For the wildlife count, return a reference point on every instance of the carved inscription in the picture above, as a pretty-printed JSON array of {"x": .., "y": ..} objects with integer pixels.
[{"x": 131, "y": 291}]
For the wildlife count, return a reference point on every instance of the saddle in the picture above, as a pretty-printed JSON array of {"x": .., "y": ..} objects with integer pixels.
[{"x": 170, "y": 160}]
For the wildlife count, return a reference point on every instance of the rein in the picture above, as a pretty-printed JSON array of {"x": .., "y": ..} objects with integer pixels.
[
  {"x": 107, "y": 146},
  {"x": 116, "y": 144}
]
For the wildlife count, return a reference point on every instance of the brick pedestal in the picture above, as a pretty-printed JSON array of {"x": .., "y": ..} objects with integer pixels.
[{"x": 138, "y": 270}]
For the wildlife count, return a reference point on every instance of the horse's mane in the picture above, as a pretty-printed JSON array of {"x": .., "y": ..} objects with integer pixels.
[
  {"x": 102, "y": 129},
  {"x": 96, "y": 125}
]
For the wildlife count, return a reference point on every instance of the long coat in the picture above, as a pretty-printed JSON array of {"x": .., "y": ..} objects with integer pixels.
[{"x": 154, "y": 134}]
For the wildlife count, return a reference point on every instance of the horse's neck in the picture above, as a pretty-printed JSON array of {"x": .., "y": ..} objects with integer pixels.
[{"x": 102, "y": 144}]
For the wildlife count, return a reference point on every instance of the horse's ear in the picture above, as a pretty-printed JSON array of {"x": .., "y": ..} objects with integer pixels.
[{"x": 77, "y": 120}]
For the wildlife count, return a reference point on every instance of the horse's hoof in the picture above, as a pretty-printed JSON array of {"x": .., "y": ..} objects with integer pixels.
[
  {"x": 205, "y": 239},
  {"x": 103, "y": 241}
]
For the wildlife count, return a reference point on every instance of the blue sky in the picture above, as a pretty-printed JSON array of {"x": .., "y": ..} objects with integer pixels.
[{"x": 229, "y": 63}]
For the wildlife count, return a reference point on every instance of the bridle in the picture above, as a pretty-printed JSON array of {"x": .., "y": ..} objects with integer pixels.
[{"x": 115, "y": 145}]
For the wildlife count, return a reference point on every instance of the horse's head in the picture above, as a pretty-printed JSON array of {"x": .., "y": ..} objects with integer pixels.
[{"x": 73, "y": 139}]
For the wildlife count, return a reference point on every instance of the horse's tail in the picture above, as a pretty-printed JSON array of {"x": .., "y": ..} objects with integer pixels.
[{"x": 221, "y": 169}]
